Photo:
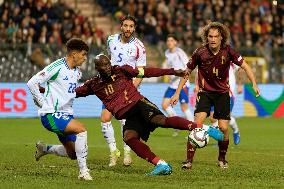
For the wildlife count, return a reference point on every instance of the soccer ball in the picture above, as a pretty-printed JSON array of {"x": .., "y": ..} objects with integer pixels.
[{"x": 198, "y": 137}]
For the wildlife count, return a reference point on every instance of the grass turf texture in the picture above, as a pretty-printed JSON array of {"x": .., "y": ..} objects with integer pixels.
[{"x": 257, "y": 162}]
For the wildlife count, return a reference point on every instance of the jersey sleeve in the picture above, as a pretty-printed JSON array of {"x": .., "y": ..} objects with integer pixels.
[
  {"x": 49, "y": 73},
  {"x": 140, "y": 54},
  {"x": 183, "y": 59},
  {"x": 85, "y": 89},
  {"x": 193, "y": 61},
  {"x": 145, "y": 72},
  {"x": 235, "y": 57},
  {"x": 109, "y": 41}
]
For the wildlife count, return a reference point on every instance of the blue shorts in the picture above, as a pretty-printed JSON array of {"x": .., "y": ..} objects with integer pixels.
[
  {"x": 183, "y": 97},
  {"x": 57, "y": 123},
  {"x": 232, "y": 101},
  {"x": 103, "y": 107}
]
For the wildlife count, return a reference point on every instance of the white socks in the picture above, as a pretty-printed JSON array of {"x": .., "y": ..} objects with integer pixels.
[
  {"x": 233, "y": 125},
  {"x": 108, "y": 133},
  {"x": 162, "y": 162},
  {"x": 205, "y": 127},
  {"x": 122, "y": 123},
  {"x": 215, "y": 124},
  {"x": 58, "y": 150},
  {"x": 81, "y": 149},
  {"x": 188, "y": 114},
  {"x": 170, "y": 111}
]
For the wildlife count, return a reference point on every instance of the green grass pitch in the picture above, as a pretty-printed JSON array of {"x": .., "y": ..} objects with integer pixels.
[{"x": 257, "y": 162}]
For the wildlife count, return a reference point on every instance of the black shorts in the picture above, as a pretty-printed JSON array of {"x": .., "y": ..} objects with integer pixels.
[
  {"x": 220, "y": 101},
  {"x": 139, "y": 116}
]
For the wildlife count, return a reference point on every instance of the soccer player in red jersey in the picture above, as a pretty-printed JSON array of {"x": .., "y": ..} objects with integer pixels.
[
  {"x": 213, "y": 62},
  {"x": 115, "y": 88}
]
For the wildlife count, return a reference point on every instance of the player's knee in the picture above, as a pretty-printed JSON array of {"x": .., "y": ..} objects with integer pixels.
[
  {"x": 224, "y": 129},
  {"x": 159, "y": 120},
  {"x": 129, "y": 134},
  {"x": 81, "y": 129},
  {"x": 105, "y": 118}
]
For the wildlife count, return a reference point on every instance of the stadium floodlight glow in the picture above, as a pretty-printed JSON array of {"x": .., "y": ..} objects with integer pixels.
[{"x": 274, "y": 2}]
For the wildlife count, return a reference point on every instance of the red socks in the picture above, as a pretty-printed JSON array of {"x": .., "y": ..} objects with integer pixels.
[
  {"x": 190, "y": 152},
  {"x": 180, "y": 123},
  {"x": 142, "y": 150},
  {"x": 223, "y": 147}
]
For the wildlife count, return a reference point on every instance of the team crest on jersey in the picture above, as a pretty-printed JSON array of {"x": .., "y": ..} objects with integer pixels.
[{"x": 129, "y": 51}]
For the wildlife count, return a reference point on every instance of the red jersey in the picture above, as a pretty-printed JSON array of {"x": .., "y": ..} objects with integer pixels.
[
  {"x": 117, "y": 92},
  {"x": 213, "y": 70}
]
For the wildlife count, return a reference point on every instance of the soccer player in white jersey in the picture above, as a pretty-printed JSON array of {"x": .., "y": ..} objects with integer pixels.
[
  {"x": 176, "y": 58},
  {"x": 56, "y": 112},
  {"x": 123, "y": 48}
]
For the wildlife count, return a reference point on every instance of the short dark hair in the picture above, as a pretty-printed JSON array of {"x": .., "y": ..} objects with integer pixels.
[
  {"x": 172, "y": 36},
  {"x": 76, "y": 44},
  {"x": 101, "y": 58},
  {"x": 128, "y": 17}
]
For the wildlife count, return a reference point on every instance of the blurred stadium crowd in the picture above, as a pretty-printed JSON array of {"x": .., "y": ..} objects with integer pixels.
[
  {"x": 35, "y": 30},
  {"x": 257, "y": 26}
]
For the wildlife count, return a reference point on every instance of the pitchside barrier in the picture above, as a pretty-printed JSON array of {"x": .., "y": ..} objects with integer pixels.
[{"x": 16, "y": 101}]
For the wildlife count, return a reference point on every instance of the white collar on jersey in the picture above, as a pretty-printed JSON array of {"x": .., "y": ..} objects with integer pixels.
[{"x": 132, "y": 38}]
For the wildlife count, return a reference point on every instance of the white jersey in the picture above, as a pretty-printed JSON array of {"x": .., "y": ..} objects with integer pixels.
[
  {"x": 177, "y": 60},
  {"x": 132, "y": 53},
  {"x": 61, "y": 82},
  {"x": 232, "y": 78}
]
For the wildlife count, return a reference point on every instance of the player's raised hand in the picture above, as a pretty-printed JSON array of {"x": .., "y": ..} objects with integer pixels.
[
  {"x": 179, "y": 73},
  {"x": 174, "y": 99},
  {"x": 256, "y": 90}
]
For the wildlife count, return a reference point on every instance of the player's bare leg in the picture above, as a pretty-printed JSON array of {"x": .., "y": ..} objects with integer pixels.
[
  {"x": 108, "y": 133},
  {"x": 213, "y": 121}
]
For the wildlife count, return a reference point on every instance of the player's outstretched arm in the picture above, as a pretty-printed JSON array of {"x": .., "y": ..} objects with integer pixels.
[
  {"x": 240, "y": 80},
  {"x": 84, "y": 90},
  {"x": 151, "y": 72},
  {"x": 251, "y": 77},
  {"x": 182, "y": 82},
  {"x": 137, "y": 81},
  {"x": 175, "y": 97}
]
